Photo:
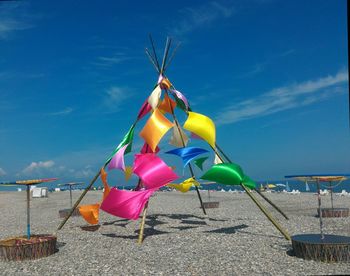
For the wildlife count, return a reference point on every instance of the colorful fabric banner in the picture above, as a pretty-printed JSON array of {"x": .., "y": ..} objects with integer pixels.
[
  {"x": 145, "y": 108},
  {"x": 179, "y": 138},
  {"x": 217, "y": 159},
  {"x": 147, "y": 149},
  {"x": 185, "y": 186},
  {"x": 248, "y": 182},
  {"x": 128, "y": 173},
  {"x": 164, "y": 82},
  {"x": 155, "y": 128},
  {"x": 117, "y": 161},
  {"x": 126, "y": 140},
  {"x": 187, "y": 154},
  {"x": 194, "y": 136},
  {"x": 90, "y": 212},
  {"x": 199, "y": 162},
  {"x": 152, "y": 170},
  {"x": 105, "y": 184},
  {"x": 126, "y": 204},
  {"x": 227, "y": 173},
  {"x": 180, "y": 99},
  {"x": 153, "y": 99},
  {"x": 167, "y": 104},
  {"x": 202, "y": 126}
]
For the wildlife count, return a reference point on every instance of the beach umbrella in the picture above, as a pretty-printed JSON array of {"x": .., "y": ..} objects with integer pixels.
[
  {"x": 28, "y": 183},
  {"x": 70, "y": 185},
  {"x": 317, "y": 178}
]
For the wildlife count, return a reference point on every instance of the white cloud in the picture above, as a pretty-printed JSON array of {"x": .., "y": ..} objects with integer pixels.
[
  {"x": 283, "y": 98},
  {"x": 13, "y": 17},
  {"x": 35, "y": 166},
  {"x": 115, "y": 97},
  {"x": 261, "y": 66},
  {"x": 2, "y": 172},
  {"x": 195, "y": 17},
  {"x": 63, "y": 112},
  {"x": 8, "y": 26},
  {"x": 86, "y": 172},
  {"x": 111, "y": 60}
]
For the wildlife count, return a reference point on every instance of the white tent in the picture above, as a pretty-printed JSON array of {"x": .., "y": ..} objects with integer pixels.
[{"x": 40, "y": 192}]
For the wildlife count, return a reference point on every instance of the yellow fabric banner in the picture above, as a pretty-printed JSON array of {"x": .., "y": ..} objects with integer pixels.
[
  {"x": 185, "y": 186},
  {"x": 202, "y": 126}
]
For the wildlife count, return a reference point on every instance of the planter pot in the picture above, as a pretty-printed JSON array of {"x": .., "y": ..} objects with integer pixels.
[{"x": 20, "y": 248}]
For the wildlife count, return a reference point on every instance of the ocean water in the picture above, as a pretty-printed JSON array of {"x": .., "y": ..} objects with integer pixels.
[{"x": 293, "y": 185}]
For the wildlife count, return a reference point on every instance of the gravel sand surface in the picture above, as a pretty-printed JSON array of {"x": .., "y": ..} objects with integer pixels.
[{"x": 234, "y": 239}]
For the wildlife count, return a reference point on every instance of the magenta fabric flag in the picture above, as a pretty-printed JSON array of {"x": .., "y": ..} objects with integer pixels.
[
  {"x": 117, "y": 161},
  {"x": 147, "y": 149},
  {"x": 145, "y": 108},
  {"x": 126, "y": 204},
  {"x": 152, "y": 170}
]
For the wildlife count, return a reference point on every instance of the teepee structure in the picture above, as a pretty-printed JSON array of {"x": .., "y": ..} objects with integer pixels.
[{"x": 153, "y": 173}]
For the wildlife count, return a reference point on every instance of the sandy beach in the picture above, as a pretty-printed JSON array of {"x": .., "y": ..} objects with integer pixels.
[{"x": 234, "y": 239}]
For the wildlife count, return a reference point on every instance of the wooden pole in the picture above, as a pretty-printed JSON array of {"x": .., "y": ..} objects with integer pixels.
[
  {"x": 70, "y": 194},
  {"x": 79, "y": 200},
  {"x": 142, "y": 227},
  {"x": 272, "y": 204},
  {"x": 266, "y": 213},
  {"x": 28, "y": 212},
  {"x": 154, "y": 53},
  {"x": 319, "y": 208},
  {"x": 166, "y": 50},
  {"x": 331, "y": 188},
  {"x": 152, "y": 60},
  {"x": 172, "y": 56},
  {"x": 189, "y": 165},
  {"x": 261, "y": 207},
  {"x": 267, "y": 200}
]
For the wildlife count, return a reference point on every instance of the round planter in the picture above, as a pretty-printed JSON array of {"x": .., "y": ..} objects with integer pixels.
[
  {"x": 333, "y": 212},
  {"x": 20, "y": 248},
  {"x": 211, "y": 204},
  {"x": 332, "y": 248}
]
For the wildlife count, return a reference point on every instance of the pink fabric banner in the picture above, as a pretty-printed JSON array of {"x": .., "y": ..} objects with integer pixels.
[
  {"x": 126, "y": 204},
  {"x": 152, "y": 170},
  {"x": 117, "y": 161},
  {"x": 145, "y": 108},
  {"x": 147, "y": 149}
]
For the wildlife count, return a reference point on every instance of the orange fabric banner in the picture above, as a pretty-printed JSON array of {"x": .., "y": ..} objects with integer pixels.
[
  {"x": 155, "y": 128},
  {"x": 167, "y": 104},
  {"x": 105, "y": 184},
  {"x": 90, "y": 212}
]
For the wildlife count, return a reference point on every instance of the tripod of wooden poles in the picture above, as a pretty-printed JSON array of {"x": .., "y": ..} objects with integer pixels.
[{"x": 161, "y": 70}]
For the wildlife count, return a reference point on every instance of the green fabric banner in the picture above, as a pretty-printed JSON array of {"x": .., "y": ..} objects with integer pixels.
[
  {"x": 126, "y": 140},
  {"x": 225, "y": 173}
]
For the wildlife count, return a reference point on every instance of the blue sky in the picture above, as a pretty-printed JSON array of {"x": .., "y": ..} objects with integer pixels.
[{"x": 273, "y": 75}]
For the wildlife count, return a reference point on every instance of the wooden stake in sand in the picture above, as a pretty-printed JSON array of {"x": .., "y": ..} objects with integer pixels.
[
  {"x": 261, "y": 207},
  {"x": 257, "y": 190}
]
